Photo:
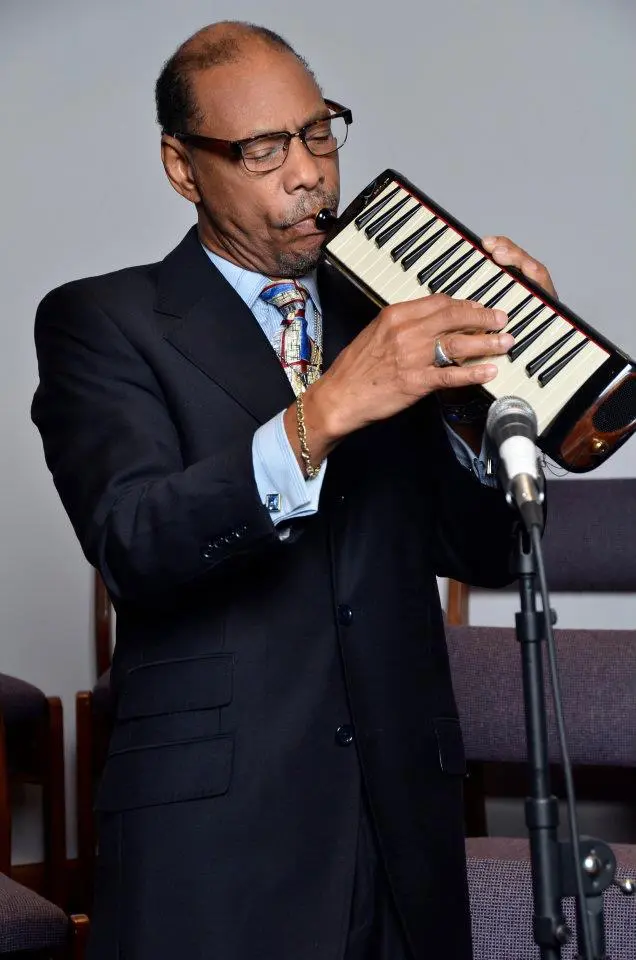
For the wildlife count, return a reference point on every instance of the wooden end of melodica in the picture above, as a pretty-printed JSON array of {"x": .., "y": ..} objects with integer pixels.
[{"x": 603, "y": 427}]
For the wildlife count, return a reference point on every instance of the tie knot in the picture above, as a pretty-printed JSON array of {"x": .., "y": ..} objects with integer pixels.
[{"x": 288, "y": 296}]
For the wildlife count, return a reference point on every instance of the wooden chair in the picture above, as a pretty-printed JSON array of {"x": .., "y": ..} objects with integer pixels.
[
  {"x": 588, "y": 547},
  {"x": 32, "y": 751},
  {"x": 32, "y": 927},
  {"x": 93, "y": 727}
]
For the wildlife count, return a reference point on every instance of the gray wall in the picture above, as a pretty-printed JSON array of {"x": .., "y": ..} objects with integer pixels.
[{"x": 517, "y": 115}]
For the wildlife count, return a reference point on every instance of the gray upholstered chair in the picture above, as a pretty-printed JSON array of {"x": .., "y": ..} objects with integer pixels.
[
  {"x": 32, "y": 751},
  {"x": 589, "y": 546},
  {"x": 32, "y": 927},
  {"x": 93, "y": 725},
  {"x": 500, "y": 887}
]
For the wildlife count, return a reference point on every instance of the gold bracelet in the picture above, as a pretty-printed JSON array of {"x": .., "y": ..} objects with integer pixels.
[{"x": 310, "y": 470}]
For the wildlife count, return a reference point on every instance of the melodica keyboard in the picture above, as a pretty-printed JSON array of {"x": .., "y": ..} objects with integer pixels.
[{"x": 396, "y": 244}]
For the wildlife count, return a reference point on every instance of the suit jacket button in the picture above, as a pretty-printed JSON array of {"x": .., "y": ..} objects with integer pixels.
[
  {"x": 345, "y": 615},
  {"x": 344, "y": 735}
]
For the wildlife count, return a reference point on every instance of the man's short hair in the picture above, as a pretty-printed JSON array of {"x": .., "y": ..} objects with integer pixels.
[{"x": 177, "y": 109}]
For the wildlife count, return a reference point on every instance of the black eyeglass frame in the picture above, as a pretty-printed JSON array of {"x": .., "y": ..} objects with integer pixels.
[{"x": 235, "y": 147}]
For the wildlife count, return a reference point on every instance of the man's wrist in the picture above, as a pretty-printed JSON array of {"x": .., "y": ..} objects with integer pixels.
[{"x": 315, "y": 437}]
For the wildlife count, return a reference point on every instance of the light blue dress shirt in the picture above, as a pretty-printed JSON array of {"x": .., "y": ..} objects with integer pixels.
[{"x": 279, "y": 479}]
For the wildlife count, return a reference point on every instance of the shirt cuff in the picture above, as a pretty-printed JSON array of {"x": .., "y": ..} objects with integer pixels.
[{"x": 280, "y": 482}]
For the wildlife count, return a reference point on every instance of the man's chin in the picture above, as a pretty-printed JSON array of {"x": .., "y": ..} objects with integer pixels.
[{"x": 297, "y": 263}]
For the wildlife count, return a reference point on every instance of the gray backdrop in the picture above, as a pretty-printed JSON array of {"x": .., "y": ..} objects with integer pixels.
[{"x": 516, "y": 115}]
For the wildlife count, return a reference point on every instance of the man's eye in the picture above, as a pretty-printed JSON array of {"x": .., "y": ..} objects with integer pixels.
[{"x": 263, "y": 150}]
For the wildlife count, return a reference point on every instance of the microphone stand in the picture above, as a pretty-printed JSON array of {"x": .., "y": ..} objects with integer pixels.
[{"x": 552, "y": 860}]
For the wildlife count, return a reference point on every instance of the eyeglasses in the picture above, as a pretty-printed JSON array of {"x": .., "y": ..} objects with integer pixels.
[{"x": 269, "y": 151}]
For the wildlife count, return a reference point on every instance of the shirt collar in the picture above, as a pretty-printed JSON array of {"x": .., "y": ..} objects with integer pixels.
[{"x": 249, "y": 284}]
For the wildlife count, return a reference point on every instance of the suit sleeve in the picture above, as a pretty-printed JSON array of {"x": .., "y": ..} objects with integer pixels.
[{"x": 148, "y": 523}]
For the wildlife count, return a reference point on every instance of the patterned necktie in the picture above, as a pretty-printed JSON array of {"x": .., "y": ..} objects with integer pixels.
[{"x": 300, "y": 356}]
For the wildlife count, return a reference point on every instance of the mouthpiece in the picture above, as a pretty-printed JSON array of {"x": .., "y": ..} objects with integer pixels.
[{"x": 324, "y": 218}]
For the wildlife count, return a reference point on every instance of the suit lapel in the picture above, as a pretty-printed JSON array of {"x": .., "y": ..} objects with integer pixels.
[{"x": 214, "y": 329}]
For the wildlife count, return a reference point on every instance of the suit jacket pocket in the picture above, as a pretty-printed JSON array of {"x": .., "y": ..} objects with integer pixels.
[
  {"x": 450, "y": 746},
  {"x": 176, "y": 685},
  {"x": 166, "y": 773}
]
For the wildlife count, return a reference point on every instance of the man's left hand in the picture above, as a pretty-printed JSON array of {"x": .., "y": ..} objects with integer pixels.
[{"x": 508, "y": 254}]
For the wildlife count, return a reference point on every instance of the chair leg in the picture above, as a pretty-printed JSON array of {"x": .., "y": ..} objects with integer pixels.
[
  {"x": 79, "y": 936},
  {"x": 54, "y": 802},
  {"x": 86, "y": 834},
  {"x": 5, "y": 805}
]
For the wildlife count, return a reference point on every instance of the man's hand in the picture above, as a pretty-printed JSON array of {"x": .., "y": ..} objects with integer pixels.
[
  {"x": 389, "y": 366},
  {"x": 508, "y": 254}
]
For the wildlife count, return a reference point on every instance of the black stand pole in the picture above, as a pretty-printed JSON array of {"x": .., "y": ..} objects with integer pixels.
[{"x": 553, "y": 874}]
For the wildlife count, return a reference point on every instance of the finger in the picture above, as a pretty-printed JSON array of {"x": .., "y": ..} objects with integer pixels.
[
  {"x": 460, "y": 347},
  {"x": 509, "y": 254},
  {"x": 450, "y": 378},
  {"x": 458, "y": 317}
]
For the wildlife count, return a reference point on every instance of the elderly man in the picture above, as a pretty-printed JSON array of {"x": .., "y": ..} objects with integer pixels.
[{"x": 258, "y": 463}]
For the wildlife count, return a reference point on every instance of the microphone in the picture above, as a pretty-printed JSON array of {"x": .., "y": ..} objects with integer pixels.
[{"x": 512, "y": 426}]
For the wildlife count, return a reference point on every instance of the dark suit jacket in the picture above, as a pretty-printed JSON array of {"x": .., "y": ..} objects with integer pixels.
[{"x": 230, "y": 803}]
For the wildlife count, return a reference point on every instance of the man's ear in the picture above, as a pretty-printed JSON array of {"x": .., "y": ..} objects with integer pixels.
[{"x": 179, "y": 169}]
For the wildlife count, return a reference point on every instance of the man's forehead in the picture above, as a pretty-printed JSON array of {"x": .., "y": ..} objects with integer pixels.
[{"x": 257, "y": 94}]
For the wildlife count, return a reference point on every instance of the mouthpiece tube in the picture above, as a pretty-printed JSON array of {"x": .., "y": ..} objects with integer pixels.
[{"x": 324, "y": 218}]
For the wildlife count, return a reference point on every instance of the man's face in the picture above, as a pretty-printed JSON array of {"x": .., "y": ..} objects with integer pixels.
[{"x": 262, "y": 221}]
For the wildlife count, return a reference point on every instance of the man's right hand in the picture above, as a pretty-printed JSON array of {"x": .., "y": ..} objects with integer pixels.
[{"x": 389, "y": 366}]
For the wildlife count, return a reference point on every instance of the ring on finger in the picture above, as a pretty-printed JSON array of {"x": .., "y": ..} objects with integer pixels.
[{"x": 440, "y": 357}]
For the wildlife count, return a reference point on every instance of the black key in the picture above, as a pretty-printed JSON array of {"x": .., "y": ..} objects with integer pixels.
[
  {"x": 535, "y": 365},
  {"x": 485, "y": 287},
  {"x": 562, "y": 362},
  {"x": 515, "y": 351},
  {"x": 371, "y": 211},
  {"x": 382, "y": 238},
  {"x": 521, "y": 326},
  {"x": 498, "y": 296},
  {"x": 384, "y": 218},
  {"x": 408, "y": 242},
  {"x": 415, "y": 255},
  {"x": 438, "y": 282},
  {"x": 457, "y": 284},
  {"x": 519, "y": 307},
  {"x": 427, "y": 272}
]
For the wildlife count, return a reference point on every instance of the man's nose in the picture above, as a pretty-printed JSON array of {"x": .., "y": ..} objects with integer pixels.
[{"x": 301, "y": 168}]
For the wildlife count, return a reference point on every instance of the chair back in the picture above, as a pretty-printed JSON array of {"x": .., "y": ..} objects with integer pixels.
[
  {"x": 597, "y": 670},
  {"x": 102, "y": 625},
  {"x": 589, "y": 544}
]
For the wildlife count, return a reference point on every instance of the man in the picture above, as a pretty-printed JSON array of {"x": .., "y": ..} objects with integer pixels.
[{"x": 284, "y": 776}]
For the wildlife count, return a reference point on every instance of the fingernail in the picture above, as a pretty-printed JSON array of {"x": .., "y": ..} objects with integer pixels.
[
  {"x": 488, "y": 372},
  {"x": 500, "y": 251},
  {"x": 487, "y": 241},
  {"x": 501, "y": 318},
  {"x": 506, "y": 341}
]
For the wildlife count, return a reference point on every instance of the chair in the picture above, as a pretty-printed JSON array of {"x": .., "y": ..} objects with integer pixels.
[
  {"x": 93, "y": 727},
  {"x": 500, "y": 890},
  {"x": 32, "y": 751},
  {"x": 588, "y": 547},
  {"x": 32, "y": 927}
]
